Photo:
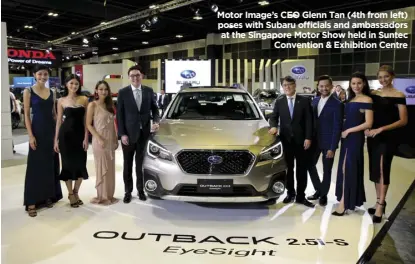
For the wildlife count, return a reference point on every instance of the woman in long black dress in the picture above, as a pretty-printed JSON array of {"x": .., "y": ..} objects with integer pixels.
[
  {"x": 42, "y": 186},
  {"x": 350, "y": 189},
  {"x": 71, "y": 138},
  {"x": 390, "y": 114}
]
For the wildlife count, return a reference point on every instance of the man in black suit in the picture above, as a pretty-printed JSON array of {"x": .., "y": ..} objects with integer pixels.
[
  {"x": 136, "y": 106},
  {"x": 163, "y": 101},
  {"x": 293, "y": 113}
]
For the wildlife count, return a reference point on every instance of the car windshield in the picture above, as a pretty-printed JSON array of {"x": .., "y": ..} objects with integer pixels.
[{"x": 213, "y": 106}]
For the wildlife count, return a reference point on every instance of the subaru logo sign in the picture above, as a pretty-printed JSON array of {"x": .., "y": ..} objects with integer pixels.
[
  {"x": 188, "y": 74},
  {"x": 298, "y": 70},
  {"x": 215, "y": 160},
  {"x": 410, "y": 89}
]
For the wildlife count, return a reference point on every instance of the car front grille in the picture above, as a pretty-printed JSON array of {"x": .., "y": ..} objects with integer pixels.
[
  {"x": 241, "y": 191},
  {"x": 233, "y": 162}
]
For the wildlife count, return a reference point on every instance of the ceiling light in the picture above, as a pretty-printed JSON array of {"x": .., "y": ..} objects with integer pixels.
[
  {"x": 103, "y": 23},
  {"x": 146, "y": 30},
  {"x": 28, "y": 26},
  {"x": 148, "y": 23},
  {"x": 214, "y": 8},
  {"x": 85, "y": 41},
  {"x": 153, "y": 6},
  {"x": 73, "y": 33},
  {"x": 85, "y": 45},
  {"x": 143, "y": 26},
  {"x": 263, "y": 3},
  {"x": 154, "y": 19},
  {"x": 179, "y": 36},
  {"x": 115, "y": 48},
  {"x": 145, "y": 42},
  {"x": 197, "y": 17},
  {"x": 113, "y": 38},
  {"x": 96, "y": 36},
  {"x": 50, "y": 14},
  {"x": 67, "y": 57},
  {"x": 55, "y": 15},
  {"x": 94, "y": 52}
]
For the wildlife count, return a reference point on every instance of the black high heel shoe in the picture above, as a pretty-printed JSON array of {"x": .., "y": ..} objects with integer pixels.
[
  {"x": 378, "y": 219},
  {"x": 372, "y": 210},
  {"x": 335, "y": 213}
]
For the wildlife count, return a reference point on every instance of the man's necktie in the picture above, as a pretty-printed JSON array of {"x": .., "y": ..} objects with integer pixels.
[
  {"x": 291, "y": 106},
  {"x": 138, "y": 99}
]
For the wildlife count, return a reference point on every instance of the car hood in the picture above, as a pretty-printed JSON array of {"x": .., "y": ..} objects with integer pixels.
[{"x": 176, "y": 135}]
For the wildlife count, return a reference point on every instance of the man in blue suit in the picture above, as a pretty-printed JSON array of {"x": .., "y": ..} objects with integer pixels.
[{"x": 328, "y": 122}]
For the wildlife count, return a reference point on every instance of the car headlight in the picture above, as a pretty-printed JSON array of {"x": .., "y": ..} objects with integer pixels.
[
  {"x": 272, "y": 152},
  {"x": 156, "y": 151}
]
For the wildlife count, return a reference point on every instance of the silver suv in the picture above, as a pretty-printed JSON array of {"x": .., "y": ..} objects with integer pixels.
[{"x": 213, "y": 145}]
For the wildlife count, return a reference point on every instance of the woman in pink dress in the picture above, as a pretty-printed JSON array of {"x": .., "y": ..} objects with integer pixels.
[{"x": 100, "y": 122}]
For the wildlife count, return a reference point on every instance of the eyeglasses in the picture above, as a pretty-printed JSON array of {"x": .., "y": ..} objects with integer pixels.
[{"x": 135, "y": 76}]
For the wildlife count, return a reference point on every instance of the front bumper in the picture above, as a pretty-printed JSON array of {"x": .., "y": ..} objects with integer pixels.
[{"x": 174, "y": 184}]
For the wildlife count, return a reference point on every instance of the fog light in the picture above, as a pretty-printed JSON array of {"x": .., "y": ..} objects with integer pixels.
[
  {"x": 151, "y": 186},
  {"x": 278, "y": 187}
]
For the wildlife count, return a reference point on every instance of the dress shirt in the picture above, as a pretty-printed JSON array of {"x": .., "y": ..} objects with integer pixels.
[
  {"x": 321, "y": 104},
  {"x": 135, "y": 96}
]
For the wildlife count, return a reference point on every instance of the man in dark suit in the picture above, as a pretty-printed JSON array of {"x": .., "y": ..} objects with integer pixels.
[
  {"x": 163, "y": 101},
  {"x": 293, "y": 113},
  {"x": 136, "y": 106},
  {"x": 328, "y": 122}
]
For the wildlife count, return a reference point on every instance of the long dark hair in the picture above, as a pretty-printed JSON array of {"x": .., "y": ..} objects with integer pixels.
[
  {"x": 366, "y": 88},
  {"x": 68, "y": 79},
  {"x": 109, "y": 104}
]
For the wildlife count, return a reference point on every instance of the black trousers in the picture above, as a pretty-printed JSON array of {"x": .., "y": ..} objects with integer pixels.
[
  {"x": 294, "y": 151},
  {"x": 137, "y": 149},
  {"x": 321, "y": 187}
]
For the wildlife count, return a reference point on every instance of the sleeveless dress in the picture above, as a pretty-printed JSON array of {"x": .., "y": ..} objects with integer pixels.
[
  {"x": 386, "y": 143},
  {"x": 351, "y": 152},
  {"x": 104, "y": 157},
  {"x": 42, "y": 171},
  {"x": 71, "y": 137}
]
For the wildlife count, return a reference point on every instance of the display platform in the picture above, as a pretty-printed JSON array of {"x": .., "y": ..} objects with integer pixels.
[{"x": 157, "y": 231}]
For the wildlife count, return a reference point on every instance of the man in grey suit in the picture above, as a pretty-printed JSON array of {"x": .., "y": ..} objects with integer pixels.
[{"x": 136, "y": 106}]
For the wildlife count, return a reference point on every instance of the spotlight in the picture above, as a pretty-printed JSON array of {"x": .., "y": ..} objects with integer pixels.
[
  {"x": 85, "y": 41},
  {"x": 154, "y": 20},
  {"x": 148, "y": 23},
  {"x": 96, "y": 36},
  {"x": 143, "y": 27},
  {"x": 214, "y": 8}
]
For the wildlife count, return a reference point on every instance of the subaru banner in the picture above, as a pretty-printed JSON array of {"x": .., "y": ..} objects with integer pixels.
[
  {"x": 303, "y": 73},
  {"x": 407, "y": 86},
  {"x": 187, "y": 73}
]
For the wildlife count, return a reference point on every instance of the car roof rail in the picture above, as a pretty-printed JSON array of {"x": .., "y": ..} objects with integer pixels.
[{"x": 238, "y": 86}]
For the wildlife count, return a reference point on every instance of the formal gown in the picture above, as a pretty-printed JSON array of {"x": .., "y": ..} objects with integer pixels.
[
  {"x": 71, "y": 137},
  {"x": 386, "y": 143},
  {"x": 351, "y": 154},
  {"x": 42, "y": 171},
  {"x": 104, "y": 156}
]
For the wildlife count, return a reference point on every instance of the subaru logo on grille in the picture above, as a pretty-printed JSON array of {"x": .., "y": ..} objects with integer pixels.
[
  {"x": 410, "y": 89},
  {"x": 215, "y": 160},
  {"x": 188, "y": 74},
  {"x": 298, "y": 70}
]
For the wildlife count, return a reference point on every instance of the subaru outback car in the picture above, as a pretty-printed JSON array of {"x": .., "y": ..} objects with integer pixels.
[{"x": 213, "y": 145}]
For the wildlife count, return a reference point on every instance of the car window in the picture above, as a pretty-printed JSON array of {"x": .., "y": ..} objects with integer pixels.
[{"x": 213, "y": 106}]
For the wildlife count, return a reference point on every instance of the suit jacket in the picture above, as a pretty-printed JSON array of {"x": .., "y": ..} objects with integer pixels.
[
  {"x": 165, "y": 102},
  {"x": 328, "y": 126},
  {"x": 130, "y": 119},
  {"x": 298, "y": 128}
]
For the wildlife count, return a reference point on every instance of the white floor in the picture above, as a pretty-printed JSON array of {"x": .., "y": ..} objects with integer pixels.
[{"x": 187, "y": 232}]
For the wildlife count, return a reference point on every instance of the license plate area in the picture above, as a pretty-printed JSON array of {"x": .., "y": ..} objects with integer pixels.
[{"x": 216, "y": 186}]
